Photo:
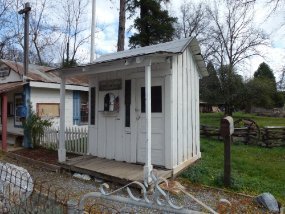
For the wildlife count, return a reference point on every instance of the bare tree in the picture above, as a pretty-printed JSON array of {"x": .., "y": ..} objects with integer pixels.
[
  {"x": 193, "y": 20},
  {"x": 122, "y": 26},
  {"x": 233, "y": 36},
  {"x": 43, "y": 32},
  {"x": 73, "y": 14},
  {"x": 232, "y": 39},
  {"x": 6, "y": 27}
]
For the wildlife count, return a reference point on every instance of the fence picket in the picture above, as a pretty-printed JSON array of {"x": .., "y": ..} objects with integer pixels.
[{"x": 75, "y": 139}]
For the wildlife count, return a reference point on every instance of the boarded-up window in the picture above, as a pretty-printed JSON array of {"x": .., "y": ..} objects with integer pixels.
[
  {"x": 48, "y": 109},
  {"x": 156, "y": 99}
]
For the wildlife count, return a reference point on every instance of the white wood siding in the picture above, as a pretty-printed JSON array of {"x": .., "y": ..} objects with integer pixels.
[
  {"x": 184, "y": 109},
  {"x": 47, "y": 95}
]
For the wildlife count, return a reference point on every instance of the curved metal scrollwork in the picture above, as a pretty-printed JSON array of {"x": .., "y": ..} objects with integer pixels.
[{"x": 159, "y": 199}]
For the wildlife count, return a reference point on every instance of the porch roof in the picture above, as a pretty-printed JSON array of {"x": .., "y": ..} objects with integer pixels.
[
  {"x": 6, "y": 87},
  {"x": 119, "y": 59}
]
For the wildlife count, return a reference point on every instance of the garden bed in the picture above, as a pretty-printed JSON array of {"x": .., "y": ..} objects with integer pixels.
[{"x": 42, "y": 155}]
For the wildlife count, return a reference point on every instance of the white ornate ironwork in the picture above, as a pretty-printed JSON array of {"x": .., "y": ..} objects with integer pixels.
[{"x": 159, "y": 199}]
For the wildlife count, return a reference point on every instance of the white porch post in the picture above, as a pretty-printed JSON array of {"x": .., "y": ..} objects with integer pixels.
[
  {"x": 148, "y": 166},
  {"x": 61, "y": 149}
]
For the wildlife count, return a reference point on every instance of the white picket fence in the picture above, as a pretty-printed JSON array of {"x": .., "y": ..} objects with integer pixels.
[{"x": 75, "y": 139}]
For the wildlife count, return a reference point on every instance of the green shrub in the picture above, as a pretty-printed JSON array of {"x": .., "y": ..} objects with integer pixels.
[{"x": 35, "y": 126}]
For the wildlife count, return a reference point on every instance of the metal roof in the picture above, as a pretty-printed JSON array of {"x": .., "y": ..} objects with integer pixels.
[
  {"x": 169, "y": 48},
  {"x": 40, "y": 74},
  {"x": 5, "y": 87},
  {"x": 173, "y": 47}
]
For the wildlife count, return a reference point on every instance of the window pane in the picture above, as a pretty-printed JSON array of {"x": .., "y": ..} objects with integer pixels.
[
  {"x": 128, "y": 89},
  {"x": 83, "y": 107},
  {"x": 156, "y": 99},
  {"x": 92, "y": 105}
]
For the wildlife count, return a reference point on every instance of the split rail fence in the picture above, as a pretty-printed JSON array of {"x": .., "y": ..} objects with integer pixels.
[
  {"x": 75, "y": 139},
  {"x": 269, "y": 136}
]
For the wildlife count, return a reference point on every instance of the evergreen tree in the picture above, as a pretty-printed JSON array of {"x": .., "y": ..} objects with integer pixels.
[
  {"x": 154, "y": 24},
  {"x": 264, "y": 71},
  {"x": 210, "y": 88}
]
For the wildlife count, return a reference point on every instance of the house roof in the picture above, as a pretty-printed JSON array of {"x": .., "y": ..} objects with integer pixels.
[
  {"x": 168, "y": 49},
  {"x": 173, "y": 47},
  {"x": 39, "y": 73},
  {"x": 5, "y": 87}
]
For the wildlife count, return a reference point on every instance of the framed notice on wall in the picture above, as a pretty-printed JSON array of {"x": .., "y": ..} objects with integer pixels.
[{"x": 48, "y": 109}]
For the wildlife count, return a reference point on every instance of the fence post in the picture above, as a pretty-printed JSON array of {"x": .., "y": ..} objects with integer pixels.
[{"x": 226, "y": 131}]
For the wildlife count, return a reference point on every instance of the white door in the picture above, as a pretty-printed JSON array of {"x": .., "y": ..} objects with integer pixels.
[
  {"x": 107, "y": 127},
  {"x": 157, "y": 147}
]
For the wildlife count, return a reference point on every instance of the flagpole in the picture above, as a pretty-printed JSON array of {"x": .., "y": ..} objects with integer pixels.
[{"x": 93, "y": 26}]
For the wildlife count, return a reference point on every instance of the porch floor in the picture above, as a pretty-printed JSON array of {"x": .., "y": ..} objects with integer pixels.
[{"x": 111, "y": 170}]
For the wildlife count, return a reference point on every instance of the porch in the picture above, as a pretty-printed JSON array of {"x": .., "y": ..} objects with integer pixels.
[{"x": 111, "y": 170}]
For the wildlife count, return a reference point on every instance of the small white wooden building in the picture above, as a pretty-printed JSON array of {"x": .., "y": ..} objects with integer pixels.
[{"x": 144, "y": 105}]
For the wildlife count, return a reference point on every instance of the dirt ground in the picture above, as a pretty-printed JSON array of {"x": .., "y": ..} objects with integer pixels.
[{"x": 76, "y": 188}]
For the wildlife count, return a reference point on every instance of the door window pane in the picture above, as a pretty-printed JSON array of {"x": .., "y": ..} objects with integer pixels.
[{"x": 156, "y": 99}]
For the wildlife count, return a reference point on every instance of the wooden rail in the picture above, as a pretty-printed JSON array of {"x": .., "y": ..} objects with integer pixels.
[{"x": 269, "y": 136}]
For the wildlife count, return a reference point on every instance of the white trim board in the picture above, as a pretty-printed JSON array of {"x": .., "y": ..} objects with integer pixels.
[{"x": 57, "y": 86}]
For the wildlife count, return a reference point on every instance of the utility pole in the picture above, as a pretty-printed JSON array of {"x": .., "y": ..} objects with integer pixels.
[
  {"x": 26, "y": 10},
  {"x": 93, "y": 26}
]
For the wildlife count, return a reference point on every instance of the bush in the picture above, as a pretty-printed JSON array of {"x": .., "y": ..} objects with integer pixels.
[{"x": 35, "y": 126}]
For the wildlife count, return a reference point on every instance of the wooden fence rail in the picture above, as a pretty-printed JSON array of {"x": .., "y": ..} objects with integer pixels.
[
  {"x": 269, "y": 136},
  {"x": 75, "y": 139}
]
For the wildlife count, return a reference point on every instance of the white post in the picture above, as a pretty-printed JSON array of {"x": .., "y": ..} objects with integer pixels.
[
  {"x": 93, "y": 26},
  {"x": 61, "y": 149},
  {"x": 148, "y": 166}
]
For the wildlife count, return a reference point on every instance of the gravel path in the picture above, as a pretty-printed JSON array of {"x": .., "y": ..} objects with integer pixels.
[{"x": 69, "y": 187}]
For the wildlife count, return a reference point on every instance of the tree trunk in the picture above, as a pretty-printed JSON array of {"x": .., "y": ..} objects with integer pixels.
[{"x": 122, "y": 26}]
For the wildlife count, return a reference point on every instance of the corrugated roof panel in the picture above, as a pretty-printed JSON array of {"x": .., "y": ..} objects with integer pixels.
[
  {"x": 5, "y": 87},
  {"x": 39, "y": 73},
  {"x": 176, "y": 46}
]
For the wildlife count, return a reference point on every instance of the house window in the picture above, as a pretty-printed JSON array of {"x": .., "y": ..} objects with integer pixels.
[
  {"x": 156, "y": 99},
  {"x": 80, "y": 107},
  {"x": 19, "y": 101},
  {"x": 10, "y": 109},
  {"x": 49, "y": 110},
  {"x": 128, "y": 88},
  {"x": 92, "y": 105}
]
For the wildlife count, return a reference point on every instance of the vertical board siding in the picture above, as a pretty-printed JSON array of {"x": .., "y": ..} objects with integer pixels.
[
  {"x": 193, "y": 106},
  {"x": 185, "y": 110},
  {"x": 167, "y": 124},
  {"x": 197, "y": 115},
  {"x": 174, "y": 98},
  {"x": 180, "y": 109},
  {"x": 132, "y": 144},
  {"x": 189, "y": 110}
]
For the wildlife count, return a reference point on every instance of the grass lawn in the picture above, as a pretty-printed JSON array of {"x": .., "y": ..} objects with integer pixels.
[
  {"x": 255, "y": 169},
  {"x": 213, "y": 119}
]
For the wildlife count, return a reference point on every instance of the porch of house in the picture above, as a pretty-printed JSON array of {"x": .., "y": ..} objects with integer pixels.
[{"x": 111, "y": 170}]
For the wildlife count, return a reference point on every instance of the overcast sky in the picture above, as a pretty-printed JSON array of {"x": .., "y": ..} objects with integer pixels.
[{"x": 107, "y": 13}]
